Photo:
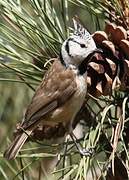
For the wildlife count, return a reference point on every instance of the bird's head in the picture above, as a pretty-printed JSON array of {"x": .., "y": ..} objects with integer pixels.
[{"x": 78, "y": 46}]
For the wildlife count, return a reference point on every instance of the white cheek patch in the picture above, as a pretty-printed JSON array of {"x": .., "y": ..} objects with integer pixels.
[{"x": 74, "y": 49}]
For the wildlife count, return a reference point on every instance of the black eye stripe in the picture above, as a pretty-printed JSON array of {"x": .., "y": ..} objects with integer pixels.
[
  {"x": 82, "y": 45},
  {"x": 67, "y": 47},
  {"x": 71, "y": 39}
]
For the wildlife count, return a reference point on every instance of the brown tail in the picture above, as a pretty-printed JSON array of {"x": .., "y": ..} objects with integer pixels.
[{"x": 16, "y": 145}]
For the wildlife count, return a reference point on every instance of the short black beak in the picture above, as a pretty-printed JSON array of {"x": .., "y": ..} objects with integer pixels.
[{"x": 98, "y": 50}]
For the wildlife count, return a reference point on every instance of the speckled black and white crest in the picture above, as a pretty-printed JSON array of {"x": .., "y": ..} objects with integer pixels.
[
  {"x": 78, "y": 46},
  {"x": 80, "y": 31}
]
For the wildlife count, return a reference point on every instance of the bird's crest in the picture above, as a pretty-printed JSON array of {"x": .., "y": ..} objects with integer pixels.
[{"x": 79, "y": 30}]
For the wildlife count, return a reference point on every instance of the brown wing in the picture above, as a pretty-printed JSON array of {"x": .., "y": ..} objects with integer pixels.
[{"x": 57, "y": 86}]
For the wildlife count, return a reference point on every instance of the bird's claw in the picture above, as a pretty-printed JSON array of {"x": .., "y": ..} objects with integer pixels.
[{"x": 87, "y": 152}]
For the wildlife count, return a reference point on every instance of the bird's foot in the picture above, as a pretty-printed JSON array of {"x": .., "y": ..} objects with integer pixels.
[{"x": 86, "y": 152}]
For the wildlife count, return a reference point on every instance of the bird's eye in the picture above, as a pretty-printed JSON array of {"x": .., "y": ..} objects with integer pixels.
[{"x": 83, "y": 45}]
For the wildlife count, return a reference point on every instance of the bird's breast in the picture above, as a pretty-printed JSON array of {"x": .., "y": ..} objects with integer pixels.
[
  {"x": 81, "y": 91},
  {"x": 68, "y": 111}
]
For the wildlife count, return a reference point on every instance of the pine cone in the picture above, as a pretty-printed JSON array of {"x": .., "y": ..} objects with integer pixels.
[{"x": 110, "y": 69}]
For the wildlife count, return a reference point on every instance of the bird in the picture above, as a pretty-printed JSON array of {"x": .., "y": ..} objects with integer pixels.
[{"x": 62, "y": 91}]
